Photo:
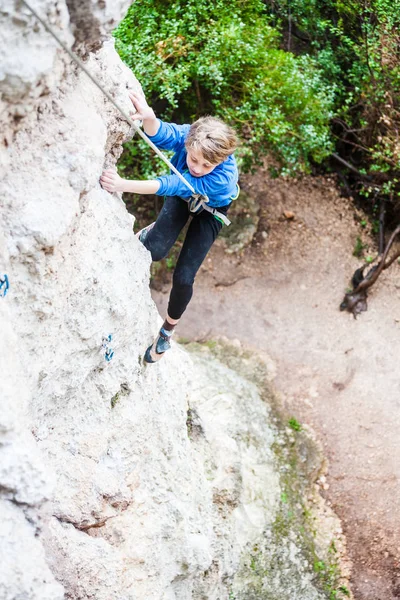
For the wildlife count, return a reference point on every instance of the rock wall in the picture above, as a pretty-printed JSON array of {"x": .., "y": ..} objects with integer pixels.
[{"x": 117, "y": 480}]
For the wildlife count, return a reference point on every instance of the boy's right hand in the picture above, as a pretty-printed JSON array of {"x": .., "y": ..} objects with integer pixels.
[
  {"x": 111, "y": 181},
  {"x": 143, "y": 110}
]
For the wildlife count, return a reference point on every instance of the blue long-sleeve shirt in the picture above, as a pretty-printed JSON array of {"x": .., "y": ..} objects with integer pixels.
[{"x": 220, "y": 185}]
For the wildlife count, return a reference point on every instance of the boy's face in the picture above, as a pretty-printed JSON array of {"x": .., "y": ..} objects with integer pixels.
[{"x": 197, "y": 164}]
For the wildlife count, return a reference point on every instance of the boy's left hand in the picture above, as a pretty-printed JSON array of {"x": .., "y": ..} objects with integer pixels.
[{"x": 111, "y": 181}]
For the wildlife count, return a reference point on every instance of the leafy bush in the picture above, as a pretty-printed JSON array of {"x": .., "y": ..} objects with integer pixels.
[
  {"x": 295, "y": 77},
  {"x": 201, "y": 56},
  {"x": 356, "y": 44}
]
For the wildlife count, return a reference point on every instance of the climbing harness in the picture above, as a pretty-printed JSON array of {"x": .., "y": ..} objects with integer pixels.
[
  {"x": 4, "y": 285},
  {"x": 197, "y": 203},
  {"x": 199, "y": 199},
  {"x": 108, "y": 351}
]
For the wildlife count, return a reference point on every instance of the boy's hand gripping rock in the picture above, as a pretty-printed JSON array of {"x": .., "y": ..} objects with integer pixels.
[
  {"x": 111, "y": 181},
  {"x": 143, "y": 110}
]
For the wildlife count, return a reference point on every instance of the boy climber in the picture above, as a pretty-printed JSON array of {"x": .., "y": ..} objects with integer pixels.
[{"x": 204, "y": 155}]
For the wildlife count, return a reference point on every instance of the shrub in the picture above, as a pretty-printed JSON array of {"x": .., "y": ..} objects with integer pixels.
[{"x": 221, "y": 57}]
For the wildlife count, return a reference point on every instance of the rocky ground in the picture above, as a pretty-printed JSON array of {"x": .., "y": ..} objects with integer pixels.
[{"x": 280, "y": 295}]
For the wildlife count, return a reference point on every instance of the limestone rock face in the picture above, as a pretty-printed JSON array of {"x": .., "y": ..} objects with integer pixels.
[
  {"x": 118, "y": 481},
  {"x": 93, "y": 19},
  {"x": 31, "y": 64}
]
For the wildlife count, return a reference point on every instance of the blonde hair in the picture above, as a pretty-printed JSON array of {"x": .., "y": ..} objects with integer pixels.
[{"x": 213, "y": 138}]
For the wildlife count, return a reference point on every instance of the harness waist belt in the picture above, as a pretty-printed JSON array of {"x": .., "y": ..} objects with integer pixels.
[{"x": 197, "y": 202}]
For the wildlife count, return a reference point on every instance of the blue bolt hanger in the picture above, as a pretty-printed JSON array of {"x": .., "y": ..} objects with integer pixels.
[
  {"x": 108, "y": 351},
  {"x": 4, "y": 285}
]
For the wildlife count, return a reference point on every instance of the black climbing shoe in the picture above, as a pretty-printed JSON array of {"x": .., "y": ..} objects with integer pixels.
[{"x": 158, "y": 348}]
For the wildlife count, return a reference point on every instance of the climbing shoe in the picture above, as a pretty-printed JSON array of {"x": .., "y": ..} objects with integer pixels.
[
  {"x": 158, "y": 348},
  {"x": 143, "y": 233}
]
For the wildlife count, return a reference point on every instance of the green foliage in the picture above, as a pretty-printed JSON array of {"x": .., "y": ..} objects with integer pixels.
[
  {"x": 138, "y": 161},
  {"x": 355, "y": 43},
  {"x": 294, "y": 424},
  {"x": 221, "y": 57},
  {"x": 329, "y": 575},
  {"x": 293, "y": 76},
  {"x": 375, "y": 226},
  {"x": 358, "y": 248},
  {"x": 170, "y": 262},
  {"x": 123, "y": 391},
  {"x": 115, "y": 399}
]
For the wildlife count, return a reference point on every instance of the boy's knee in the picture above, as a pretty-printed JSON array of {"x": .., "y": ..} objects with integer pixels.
[
  {"x": 157, "y": 252},
  {"x": 157, "y": 255}
]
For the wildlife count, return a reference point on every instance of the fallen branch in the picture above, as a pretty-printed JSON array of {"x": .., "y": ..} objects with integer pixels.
[{"x": 356, "y": 300}]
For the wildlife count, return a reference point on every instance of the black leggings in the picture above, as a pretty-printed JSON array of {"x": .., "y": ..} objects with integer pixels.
[{"x": 200, "y": 236}]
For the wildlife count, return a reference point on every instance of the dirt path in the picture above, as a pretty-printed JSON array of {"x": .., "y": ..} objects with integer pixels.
[{"x": 338, "y": 374}]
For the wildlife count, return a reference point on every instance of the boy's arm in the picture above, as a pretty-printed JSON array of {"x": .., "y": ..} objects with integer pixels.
[
  {"x": 136, "y": 186},
  {"x": 112, "y": 182},
  {"x": 166, "y": 136}
]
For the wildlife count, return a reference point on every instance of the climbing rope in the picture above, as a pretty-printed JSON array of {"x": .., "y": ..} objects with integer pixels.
[
  {"x": 200, "y": 198},
  {"x": 4, "y": 285}
]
